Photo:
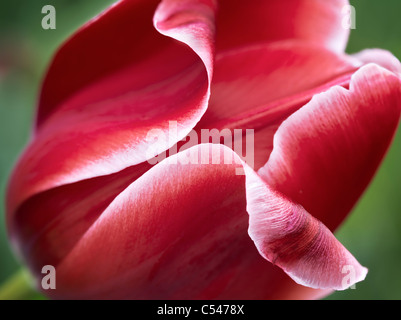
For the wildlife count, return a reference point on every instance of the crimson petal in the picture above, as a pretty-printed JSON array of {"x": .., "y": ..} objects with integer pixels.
[
  {"x": 106, "y": 125},
  {"x": 289, "y": 237},
  {"x": 193, "y": 241},
  {"x": 260, "y": 86},
  {"x": 320, "y": 22},
  {"x": 326, "y": 153}
]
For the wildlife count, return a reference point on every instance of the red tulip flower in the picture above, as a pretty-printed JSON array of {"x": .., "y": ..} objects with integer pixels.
[{"x": 88, "y": 198}]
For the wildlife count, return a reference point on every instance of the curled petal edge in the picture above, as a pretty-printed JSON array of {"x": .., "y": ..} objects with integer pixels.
[{"x": 284, "y": 233}]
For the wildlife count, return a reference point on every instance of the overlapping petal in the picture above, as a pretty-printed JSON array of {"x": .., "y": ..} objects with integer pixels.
[
  {"x": 327, "y": 152},
  {"x": 83, "y": 197},
  {"x": 260, "y": 86},
  {"x": 101, "y": 120},
  {"x": 120, "y": 36},
  {"x": 289, "y": 237},
  {"x": 242, "y": 23},
  {"x": 47, "y": 225},
  {"x": 190, "y": 213}
]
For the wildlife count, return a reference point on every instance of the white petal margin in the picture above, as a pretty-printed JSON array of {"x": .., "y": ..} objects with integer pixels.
[{"x": 288, "y": 236}]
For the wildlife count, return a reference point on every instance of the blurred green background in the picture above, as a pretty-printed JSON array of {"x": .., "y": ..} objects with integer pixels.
[{"x": 373, "y": 231}]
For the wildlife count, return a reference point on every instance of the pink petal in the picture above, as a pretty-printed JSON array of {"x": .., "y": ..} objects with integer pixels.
[
  {"x": 180, "y": 232},
  {"x": 289, "y": 237},
  {"x": 242, "y": 23},
  {"x": 107, "y": 43},
  {"x": 167, "y": 235},
  {"x": 326, "y": 153},
  {"x": 97, "y": 125},
  {"x": 381, "y": 57},
  {"x": 48, "y": 225},
  {"x": 260, "y": 86},
  {"x": 98, "y": 108}
]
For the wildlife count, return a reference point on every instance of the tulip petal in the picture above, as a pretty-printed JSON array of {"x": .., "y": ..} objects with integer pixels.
[
  {"x": 108, "y": 42},
  {"x": 381, "y": 57},
  {"x": 48, "y": 225},
  {"x": 92, "y": 142},
  {"x": 180, "y": 232},
  {"x": 120, "y": 115},
  {"x": 289, "y": 237},
  {"x": 326, "y": 153},
  {"x": 260, "y": 86},
  {"x": 315, "y": 21}
]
